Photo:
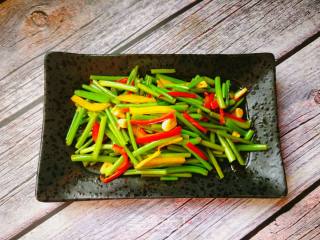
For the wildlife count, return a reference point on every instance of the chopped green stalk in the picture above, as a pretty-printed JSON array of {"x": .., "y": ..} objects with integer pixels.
[
  {"x": 214, "y": 126},
  {"x": 171, "y": 79},
  {"x": 133, "y": 75},
  {"x": 203, "y": 162},
  {"x": 249, "y": 135},
  {"x": 147, "y": 89},
  {"x": 195, "y": 81},
  {"x": 245, "y": 125},
  {"x": 231, "y": 102},
  {"x": 107, "y": 78},
  {"x": 189, "y": 125},
  {"x": 132, "y": 158},
  {"x": 210, "y": 81},
  {"x": 212, "y": 137},
  {"x": 219, "y": 93},
  {"x": 190, "y": 169},
  {"x": 89, "y": 158},
  {"x": 90, "y": 88},
  {"x": 117, "y": 85},
  {"x": 130, "y": 131},
  {"x": 235, "y": 127},
  {"x": 176, "y": 148},
  {"x": 146, "y": 172},
  {"x": 228, "y": 85},
  {"x": 215, "y": 164},
  {"x": 252, "y": 147},
  {"x": 112, "y": 136},
  {"x": 114, "y": 167},
  {"x": 178, "y": 87},
  {"x": 86, "y": 131},
  {"x": 127, "y": 105},
  {"x": 84, "y": 146},
  {"x": 117, "y": 134},
  {"x": 211, "y": 145},
  {"x": 114, "y": 129},
  {"x": 184, "y": 175},
  {"x": 236, "y": 152},
  {"x": 224, "y": 134},
  {"x": 165, "y": 96},
  {"x": 91, "y": 148},
  {"x": 99, "y": 140},
  {"x": 106, "y": 91},
  {"x": 152, "y": 145},
  {"x": 97, "y": 97},
  {"x": 231, "y": 157},
  {"x": 223, "y": 90},
  {"x": 114, "y": 91},
  {"x": 191, "y": 134},
  {"x": 162, "y": 70},
  {"x": 180, "y": 107},
  {"x": 79, "y": 114},
  {"x": 149, "y": 80},
  {"x": 197, "y": 116},
  {"x": 193, "y": 161},
  {"x": 194, "y": 141},
  {"x": 169, "y": 178},
  {"x": 125, "y": 135},
  {"x": 195, "y": 103},
  {"x": 236, "y": 105},
  {"x": 170, "y": 155}
]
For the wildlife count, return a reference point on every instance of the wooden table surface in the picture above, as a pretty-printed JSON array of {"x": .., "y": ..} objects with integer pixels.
[{"x": 288, "y": 28}]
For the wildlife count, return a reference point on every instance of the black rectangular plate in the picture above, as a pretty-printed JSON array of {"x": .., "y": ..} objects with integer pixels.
[{"x": 59, "y": 179}]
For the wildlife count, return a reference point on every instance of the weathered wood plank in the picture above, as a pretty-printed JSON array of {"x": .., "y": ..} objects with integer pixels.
[
  {"x": 29, "y": 30},
  {"x": 19, "y": 150},
  {"x": 300, "y": 222},
  {"x": 86, "y": 27},
  {"x": 200, "y": 28},
  {"x": 258, "y": 26},
  {"x": 213, "y": 218}
]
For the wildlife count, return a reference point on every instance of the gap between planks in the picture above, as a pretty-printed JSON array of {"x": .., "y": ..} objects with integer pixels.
[{"x": 112, "y": 51}]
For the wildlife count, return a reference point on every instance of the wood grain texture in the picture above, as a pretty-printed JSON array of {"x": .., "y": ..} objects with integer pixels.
[
  {"x": 118, "y": 23},
  {"x": 200, "y": 29},
  {"x": 301, "y": 222},
  {"x": 94, "y": 27},
  {"x": 208, "y": 218},
  {"x": 257, "y": 26}
]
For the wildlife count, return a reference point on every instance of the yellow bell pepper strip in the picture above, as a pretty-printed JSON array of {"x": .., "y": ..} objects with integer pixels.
[
  {"x": 150, "y": 110},
  {"x": 240, "y": 93},
  {"x": 163, "y": 162},
  {"x": 132, "y": 98},
  {"x": 93, "y": 107},
  {"x": 149, "y": 158}
]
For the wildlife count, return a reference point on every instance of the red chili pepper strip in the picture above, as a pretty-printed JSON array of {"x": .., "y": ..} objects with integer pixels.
[
  {"x": 196, "y": 150},
  {"x": 122, "y": 80},
  {"x": 229, "y": 115},
  {"x": 157, "y": 136},
  {"x": 95, "y": 131},
  {"x": 182, "y": 94},
  {"x": 221, "y": 119},
  {"x": 214, "y": 105},
  {"x": 122, "y": 168},
  {"x": 155, "y": 120},
  {"x": 118, "y": 149},
  {"x": 206, "y": 103},
  {"x": 194, "y": 123}
]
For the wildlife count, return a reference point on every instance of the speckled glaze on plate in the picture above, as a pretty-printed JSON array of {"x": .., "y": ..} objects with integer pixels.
[{"x": 59, "y": 179}]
